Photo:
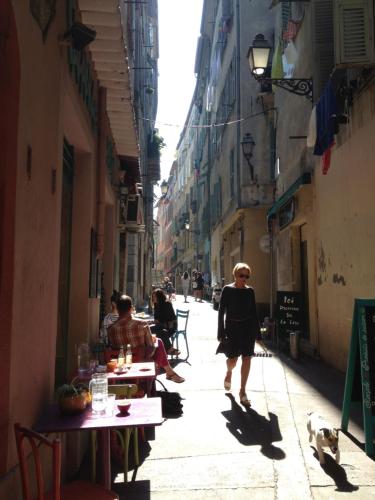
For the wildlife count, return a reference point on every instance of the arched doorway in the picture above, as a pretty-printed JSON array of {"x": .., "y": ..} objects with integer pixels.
[{"x": 9, "y": 102}]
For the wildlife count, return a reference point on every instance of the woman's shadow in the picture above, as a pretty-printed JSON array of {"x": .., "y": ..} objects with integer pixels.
[{"x": 250, "y": 428}]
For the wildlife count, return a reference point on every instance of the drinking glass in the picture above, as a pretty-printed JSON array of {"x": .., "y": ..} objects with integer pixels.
[
  {"x": 110, "y": 409},
  {"x": 99, "y": 391}
]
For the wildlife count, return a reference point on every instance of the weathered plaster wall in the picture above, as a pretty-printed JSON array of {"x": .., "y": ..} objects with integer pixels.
[
  {"x": 37, "y": 225},
  {"x": 345, "y": 230}
]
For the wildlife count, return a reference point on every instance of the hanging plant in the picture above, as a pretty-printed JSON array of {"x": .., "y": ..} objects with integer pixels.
[{"x": 156, "y": 144}]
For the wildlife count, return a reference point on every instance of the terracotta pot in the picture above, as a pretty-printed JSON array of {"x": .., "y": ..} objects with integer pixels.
[
  {"x": 73, "y": 404},
  {"x": 111, "y": 365}
]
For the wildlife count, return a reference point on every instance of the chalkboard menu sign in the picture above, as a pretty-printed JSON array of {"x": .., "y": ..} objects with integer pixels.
[
  {"x": 288, "y": 313},
  {"x": 360, "y": 373}
]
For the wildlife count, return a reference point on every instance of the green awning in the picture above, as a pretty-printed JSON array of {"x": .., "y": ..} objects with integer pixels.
[{"x": 303, "y": 179}]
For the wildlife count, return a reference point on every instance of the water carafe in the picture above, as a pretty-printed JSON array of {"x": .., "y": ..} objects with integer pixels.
[{"x": 99, "y": 391}]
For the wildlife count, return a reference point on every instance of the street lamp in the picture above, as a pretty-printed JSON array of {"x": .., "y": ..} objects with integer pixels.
[
  {"x": 258, "y": 56},
  {"x": 187, "y": 228},
  {"x": 164, "y": 188},
  {"x": 247, "y": 145}
]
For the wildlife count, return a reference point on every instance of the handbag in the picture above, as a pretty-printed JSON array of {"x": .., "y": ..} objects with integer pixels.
[
  {"x": 170, "y": 402},
  {"x": 223, "y": 344}
]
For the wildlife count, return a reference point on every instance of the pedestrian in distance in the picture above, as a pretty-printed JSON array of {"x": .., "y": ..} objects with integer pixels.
[
  {"x": 185, "y": 281},
  {"x": 200, "y": 285},
  {"x": 238, "y": 327}
]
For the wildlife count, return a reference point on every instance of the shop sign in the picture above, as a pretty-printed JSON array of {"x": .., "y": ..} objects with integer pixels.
[{"x": 288, "y": 312}]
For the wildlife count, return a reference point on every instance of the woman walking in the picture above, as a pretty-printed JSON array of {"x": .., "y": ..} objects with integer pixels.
[
  {"x": 185, "y": 280},
  {"x": 238, "y": 327}
]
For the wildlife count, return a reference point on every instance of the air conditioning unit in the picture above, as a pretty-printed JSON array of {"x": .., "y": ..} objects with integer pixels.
[{"x": 354, "y": 33}]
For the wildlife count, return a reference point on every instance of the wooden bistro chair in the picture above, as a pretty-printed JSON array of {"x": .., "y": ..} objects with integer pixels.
[
  {"x": 182, "y": 321},
  {"x": 125, "y": 391},
  {"x": 81, "y": 490}
]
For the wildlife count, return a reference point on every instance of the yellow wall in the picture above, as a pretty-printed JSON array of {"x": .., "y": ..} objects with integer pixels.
[
  {"x": 50, "y": 109},
  {"x": 252, "y": 224},
  {"x": 255, "y": 223},
  {"x": 345, "y": 240}
]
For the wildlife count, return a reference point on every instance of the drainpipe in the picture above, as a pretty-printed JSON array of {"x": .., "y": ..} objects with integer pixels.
[
  {"x": 102, "y": 136},
  {"x": 271, "y": 231}
]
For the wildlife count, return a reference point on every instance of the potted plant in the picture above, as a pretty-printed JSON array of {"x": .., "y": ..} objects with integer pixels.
[
  {"x": 73, "y": 398},
  {"x": 155, "y": 145}
]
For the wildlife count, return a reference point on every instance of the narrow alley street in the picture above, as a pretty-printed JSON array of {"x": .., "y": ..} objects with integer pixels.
[{"x": 219, "y": 450}]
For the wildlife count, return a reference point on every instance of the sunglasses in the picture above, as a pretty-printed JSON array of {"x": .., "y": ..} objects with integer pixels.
[{"x": 247, "y": 276}]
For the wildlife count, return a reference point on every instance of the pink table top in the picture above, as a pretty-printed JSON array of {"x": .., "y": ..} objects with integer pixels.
[
  {"x": 143, "y": 412},
  {"x": 137, "y": 370}
]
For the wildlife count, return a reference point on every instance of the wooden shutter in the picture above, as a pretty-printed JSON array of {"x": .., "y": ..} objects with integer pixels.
[
  {"x": 354, "y": 33},
  {"x": 323, "y": 44}
]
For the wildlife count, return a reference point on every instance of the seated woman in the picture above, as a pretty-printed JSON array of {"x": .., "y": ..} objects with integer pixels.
[
  {"x": 165, "y": 320},
  {"x": 129, "y": 330}
]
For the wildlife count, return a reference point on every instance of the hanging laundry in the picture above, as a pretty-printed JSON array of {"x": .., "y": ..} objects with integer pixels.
[
  {"x": 311, "y": 135},
  {"x": 287, "y": 68},
  {"x": 291, "y": 30},
  {"x": 326, "y": 120},
  {"x": 277, "y": 64},
  {"x": 291, "y": 53},
  {"x": 326, "y": 159}
]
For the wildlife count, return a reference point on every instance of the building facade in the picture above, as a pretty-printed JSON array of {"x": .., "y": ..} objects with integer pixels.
[
  {"x": 320, "y": 218},
  {"x": 74, "y": 144},
  {"x": 298, "y": 208},
  {"x": 223, "y": 197}
]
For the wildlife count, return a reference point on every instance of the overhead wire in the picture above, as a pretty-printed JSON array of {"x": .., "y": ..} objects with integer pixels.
[{"x": 211, "y": 125}]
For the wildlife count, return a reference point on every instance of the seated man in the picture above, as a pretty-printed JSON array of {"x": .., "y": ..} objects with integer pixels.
[{"x": 129, "y": 330}]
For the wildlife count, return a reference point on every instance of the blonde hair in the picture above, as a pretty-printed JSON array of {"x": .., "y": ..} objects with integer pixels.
[{"x": 239, "y": 266}]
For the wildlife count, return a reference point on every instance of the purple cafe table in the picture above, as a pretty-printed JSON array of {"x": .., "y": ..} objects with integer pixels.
[
  {"x": 137, "y": 371},
  {"x": 144, "y": 412}
]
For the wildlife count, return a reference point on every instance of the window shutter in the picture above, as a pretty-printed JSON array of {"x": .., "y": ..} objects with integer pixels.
[
  {"x": 354, "y": 32},
  {"x": 323, "y": 44}
]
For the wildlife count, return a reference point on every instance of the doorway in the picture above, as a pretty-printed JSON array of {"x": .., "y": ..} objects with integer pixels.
[
  {"x": 65, "y": 261},
  {"x": 305, "y": 331}
]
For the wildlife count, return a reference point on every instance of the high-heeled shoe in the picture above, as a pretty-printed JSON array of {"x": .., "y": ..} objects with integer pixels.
[{"x": 244, "y": 401}]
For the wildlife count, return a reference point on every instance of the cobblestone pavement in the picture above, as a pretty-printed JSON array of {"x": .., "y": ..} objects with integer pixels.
[{"x": 218, "y": 450}]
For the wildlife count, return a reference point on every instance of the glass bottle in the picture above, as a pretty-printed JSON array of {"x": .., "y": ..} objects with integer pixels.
[
  {"x": 128, "y": 356},
  {"x": 121, "y": 359}
]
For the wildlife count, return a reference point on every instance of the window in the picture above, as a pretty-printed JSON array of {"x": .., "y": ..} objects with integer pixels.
[{"x": 354, "y": 32}]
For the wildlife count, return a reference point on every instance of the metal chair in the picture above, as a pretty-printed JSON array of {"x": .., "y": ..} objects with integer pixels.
[
  {"x": 182, "y": 321},
  {"x": 123, "y": 391},
  {"x": 77, "y": 489}
]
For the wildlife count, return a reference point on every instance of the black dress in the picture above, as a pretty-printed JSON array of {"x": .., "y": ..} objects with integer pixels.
[
  {"x": 167, "y": 323},
  {"x": 238, "y": 321}
]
